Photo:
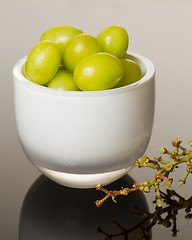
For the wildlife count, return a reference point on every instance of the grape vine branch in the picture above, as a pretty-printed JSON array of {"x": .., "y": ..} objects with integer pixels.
[{"x": 163, "y": 168}]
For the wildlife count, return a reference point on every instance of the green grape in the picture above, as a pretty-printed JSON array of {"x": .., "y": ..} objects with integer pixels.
[
  {"x": 99, "y": 71},
  {"x": 42, "y": 62},
  {"x": 23, "y": 70},
  {"x": 63, "y": 80},
  {"x": 132, "y": 73},
  {"x": 80, "y": 47},
  {"x": 61, "y": 35},
  {"x": 114, "y": 40}
]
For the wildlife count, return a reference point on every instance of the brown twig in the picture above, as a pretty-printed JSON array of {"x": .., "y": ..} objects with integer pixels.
[{"x": 163, "y": 169}]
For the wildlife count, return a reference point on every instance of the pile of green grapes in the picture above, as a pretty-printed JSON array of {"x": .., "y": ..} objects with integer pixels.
[{"x": 67, "y": 59}]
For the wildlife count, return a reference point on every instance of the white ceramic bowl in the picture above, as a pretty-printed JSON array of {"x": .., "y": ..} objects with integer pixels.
[{"x": 80, "y": 139}]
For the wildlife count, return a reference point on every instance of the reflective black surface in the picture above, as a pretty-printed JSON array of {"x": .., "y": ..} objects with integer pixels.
[{"x": 50, "y": 211}]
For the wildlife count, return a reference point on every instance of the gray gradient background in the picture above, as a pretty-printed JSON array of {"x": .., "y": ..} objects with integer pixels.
[{"x": 159, "y": 29}]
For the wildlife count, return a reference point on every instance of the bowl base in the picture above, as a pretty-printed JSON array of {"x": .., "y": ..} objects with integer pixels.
[{"x": 83, "y": 180}]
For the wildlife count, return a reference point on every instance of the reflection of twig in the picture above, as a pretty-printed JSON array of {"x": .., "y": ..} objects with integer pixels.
[
  {"x": 125, "y": 232},
  {"x": 174, "y": 203},
  {"x": 163, "y": 168},
  {"x": 172, "y": 209}
]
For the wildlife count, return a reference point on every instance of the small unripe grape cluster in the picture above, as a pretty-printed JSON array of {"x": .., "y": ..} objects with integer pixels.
[{"x": 67, "y": 59}]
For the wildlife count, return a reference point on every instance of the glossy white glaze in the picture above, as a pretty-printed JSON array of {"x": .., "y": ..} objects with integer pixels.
[{"x": 79, "y": 132}]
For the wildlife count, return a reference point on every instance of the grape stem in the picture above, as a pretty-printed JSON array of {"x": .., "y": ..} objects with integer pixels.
[{"x": 164, "y": 168}]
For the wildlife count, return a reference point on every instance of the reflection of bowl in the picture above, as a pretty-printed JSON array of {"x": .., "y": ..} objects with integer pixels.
[
  {"x": 51, "y": 211},
  {"x": 80, "y": 138}
]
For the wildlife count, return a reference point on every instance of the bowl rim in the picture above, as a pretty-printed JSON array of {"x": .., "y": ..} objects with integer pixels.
[{"x": 148, "y": 76}]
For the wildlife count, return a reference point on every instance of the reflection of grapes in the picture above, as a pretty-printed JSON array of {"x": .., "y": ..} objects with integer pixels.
[
  {"x": 61, "y": 35},
  {"x": 63, "y": 80},
  {"x": 80, "y": 47},
  {"x": 98, "y": 72},
  {"x": 43, "y": 62},
  {"x": 114, "y": 40},
  {"x": 132, "y": 73}
]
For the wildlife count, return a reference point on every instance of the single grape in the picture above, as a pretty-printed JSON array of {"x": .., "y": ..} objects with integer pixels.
[
  {"x": 23, "y": 70},
  {"x": 63, "y": 80},
  {"x": 114, "y": 40},
  {"x": 61, "y": 35},
  {"x": 78, "y": 48},
  {"x": 99, "y": 71},
  {"x": 132, "y": 73},
  {"x": 42, "y": 62}
]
